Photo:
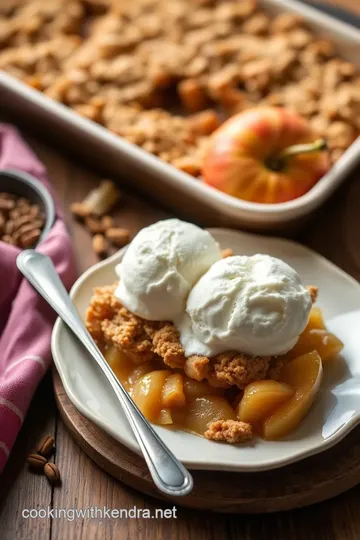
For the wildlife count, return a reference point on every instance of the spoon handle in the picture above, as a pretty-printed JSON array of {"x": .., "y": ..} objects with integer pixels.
[{"x": 169, "y": 475}]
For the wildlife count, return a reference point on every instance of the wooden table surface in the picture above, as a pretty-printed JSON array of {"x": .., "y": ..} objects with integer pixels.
[{"x": 335, "y": 233}]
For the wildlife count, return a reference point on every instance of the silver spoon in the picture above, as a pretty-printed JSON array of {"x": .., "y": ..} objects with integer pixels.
[{"x": 169, "y": 475}]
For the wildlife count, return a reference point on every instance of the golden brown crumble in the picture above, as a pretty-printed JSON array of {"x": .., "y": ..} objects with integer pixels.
[
  {"x": 233, "y": 368},
  {"x": 127, "y": 332},
  {"x": 103, "y": 306},
  {"x": 228, "y": 252},
  {"x": 41, "y": 64},
  {"x": 35, "y": 21},
  {"x": 230, "y": 431},
  {"x": 197, "y": 367},
  {"x": 313, "y": 293},
  {"x": 146, "y": 54},
  {"x": 110, "y": 323},
  {"x": 166, "y": 344}
]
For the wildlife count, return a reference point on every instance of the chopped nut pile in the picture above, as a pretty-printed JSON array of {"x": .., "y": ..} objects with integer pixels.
[
  {"x": 21, "y": 222},
  {"x": 142, "y": 60},
  {"x": 93, "y": 211}
]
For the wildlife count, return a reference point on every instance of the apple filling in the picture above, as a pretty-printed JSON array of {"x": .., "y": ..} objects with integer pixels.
[{"x": 272, "y": 409}]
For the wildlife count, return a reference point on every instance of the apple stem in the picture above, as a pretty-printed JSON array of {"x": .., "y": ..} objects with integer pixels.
[
  {"x": 277, "y": 163},
  {"x": 295, "y": 149}
]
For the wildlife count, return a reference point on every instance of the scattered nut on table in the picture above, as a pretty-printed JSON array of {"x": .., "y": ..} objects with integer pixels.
[
  {"x": 94, "y": 210},
  {"x": 52, "y": 473},
  {"x": 99, "y": 245},
  {"x": 46, "y": 445},
  {"x": 118, "y": 236},
  {"x": 36, "y": 462}
]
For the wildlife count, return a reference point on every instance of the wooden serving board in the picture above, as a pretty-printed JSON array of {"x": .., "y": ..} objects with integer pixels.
[{"x": 307, "y": 482}]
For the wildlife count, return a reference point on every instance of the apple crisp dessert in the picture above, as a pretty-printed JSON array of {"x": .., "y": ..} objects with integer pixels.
[
  {"x": 130, "y": 65},
  {"x": 225, "y": 398}
]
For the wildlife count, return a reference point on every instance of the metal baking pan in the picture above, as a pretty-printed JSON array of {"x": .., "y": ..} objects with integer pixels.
[{"x": 175, "y": 189}]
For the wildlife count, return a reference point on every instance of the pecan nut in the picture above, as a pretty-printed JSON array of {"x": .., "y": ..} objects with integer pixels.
[
  {"x": 52, "y": 472},
  {"x": 46, "y": 445},
  {"x": 36, "y": 461},
  {"x": 99, "y": 245},
  {"x": 117, "y": 236}
]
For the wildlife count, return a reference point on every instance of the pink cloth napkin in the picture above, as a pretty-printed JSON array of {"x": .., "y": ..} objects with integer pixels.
[{"x": 25, "y": 320}]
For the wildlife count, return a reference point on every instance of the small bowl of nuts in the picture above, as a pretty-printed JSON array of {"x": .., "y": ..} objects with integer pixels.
[{"x": 27, "y": 210}]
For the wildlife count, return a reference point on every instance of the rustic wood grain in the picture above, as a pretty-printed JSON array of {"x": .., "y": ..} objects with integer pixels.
[
  {"x": 20, "y": 488},
  {"x": 309, "y": 481}
]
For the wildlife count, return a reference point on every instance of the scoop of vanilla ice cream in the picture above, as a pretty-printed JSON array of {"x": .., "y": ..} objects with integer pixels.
[
  {"x": 256, "y": 305},
  {"x": 161, "y": 265}
]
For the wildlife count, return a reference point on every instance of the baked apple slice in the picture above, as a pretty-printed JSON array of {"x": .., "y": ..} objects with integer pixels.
[
  {"x": 316, "y": 339},
  {"x": 173, "y": 391},
  {"x": 138, "y": 372},
  {"x": 147, "y": 394},
  {"x": 164, "y": 417},
  {"x": 198, "y": 412},
  {"x": 261, "y": 398},
  {"x": 194, "y": 389},
  {"x": 316, "y": 320},
  {"x": 304, "y": 375},
  {"x": 121, "y": 365}
]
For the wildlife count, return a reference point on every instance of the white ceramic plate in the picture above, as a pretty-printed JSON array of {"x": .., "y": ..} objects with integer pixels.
[{"x": 335, "y": 413}]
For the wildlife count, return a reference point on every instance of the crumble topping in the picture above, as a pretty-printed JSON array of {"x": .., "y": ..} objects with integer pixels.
[
  {"x": 110, "y": 323},
  {"x": 313, "y": 293},
  {"x": 35, "y": 21},
  {"x": 233, "y": 368},
  {"x": 230, "y": 431},
  {"x": 125, "y": 64},
  {"x": 166, "y": 344},
  {"x": 197, "y": 367},
  {"x": 103, "y": 307}
]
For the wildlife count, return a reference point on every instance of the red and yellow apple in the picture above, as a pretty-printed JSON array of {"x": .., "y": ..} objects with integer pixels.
[{"x": 265, "y": 155}]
